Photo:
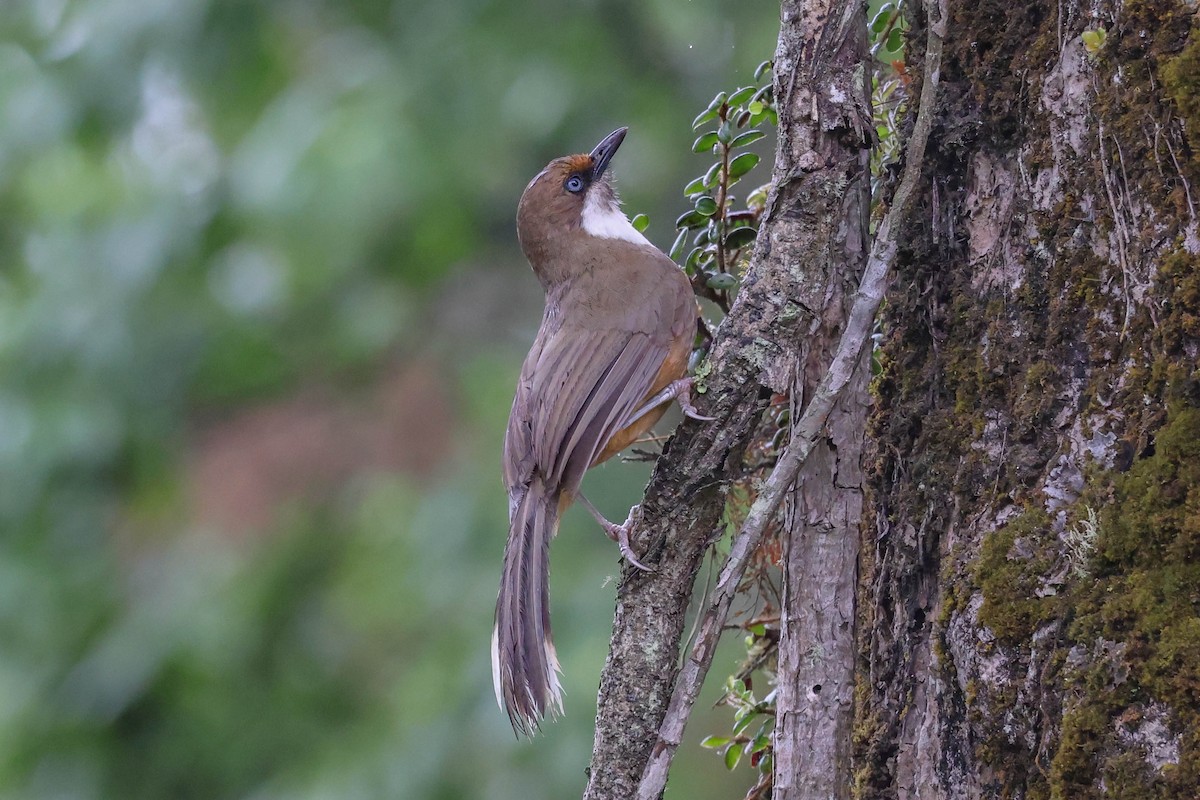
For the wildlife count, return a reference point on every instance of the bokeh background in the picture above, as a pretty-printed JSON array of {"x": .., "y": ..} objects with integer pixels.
[{"x": 261, "y": 312}]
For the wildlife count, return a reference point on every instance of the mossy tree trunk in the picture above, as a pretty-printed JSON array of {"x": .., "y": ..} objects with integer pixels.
[{"x": 1030, "y": 577}]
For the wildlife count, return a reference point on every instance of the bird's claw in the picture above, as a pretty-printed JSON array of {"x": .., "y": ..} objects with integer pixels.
[
  {"x": 620, "y": 535},
  {"x": 627, "y": 551},
  {"x": 684, "y": 398}
]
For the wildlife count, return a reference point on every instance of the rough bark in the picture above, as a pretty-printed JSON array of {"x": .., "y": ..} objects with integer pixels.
[
  {"x": 754, "y": 355},
  {"x": 1031, "y": 566},
  {"x": 821, "y": 56}
]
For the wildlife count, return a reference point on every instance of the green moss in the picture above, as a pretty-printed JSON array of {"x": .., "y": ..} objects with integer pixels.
[
  {"x": 1037, "y": 398},
  {"x": 1181, "y": 79},
  {"x": 1145, "y": 599},
  {"x": 1180, "y": 272},
  {"x": 1005, "y": 39},
  {"x": 867, "y": 733},
  {"x": 1011, "y": 567}
]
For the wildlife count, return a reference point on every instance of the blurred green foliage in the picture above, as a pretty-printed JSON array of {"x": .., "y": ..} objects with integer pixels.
[{"x": 208, "y": 207}]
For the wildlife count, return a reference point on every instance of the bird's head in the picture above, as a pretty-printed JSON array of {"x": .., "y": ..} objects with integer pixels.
[{"x": 573, "y": 197}]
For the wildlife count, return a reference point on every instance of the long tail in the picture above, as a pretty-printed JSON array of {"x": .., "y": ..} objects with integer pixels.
[{"x": 524, "y": 666}]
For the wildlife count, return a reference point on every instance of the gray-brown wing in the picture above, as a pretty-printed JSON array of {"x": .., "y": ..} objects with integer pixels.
[{"x": 577, "y": 388}]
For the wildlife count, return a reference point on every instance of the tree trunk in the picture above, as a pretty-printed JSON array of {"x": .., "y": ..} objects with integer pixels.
[
  {"x": 1031, "y": 572},
  {"x": 821, "y": 58}
]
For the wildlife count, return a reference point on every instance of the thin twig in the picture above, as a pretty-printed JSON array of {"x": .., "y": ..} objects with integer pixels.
[
  {"x": 722, "y": 199},
  {"x": 810, "y": 425},
  {"x": 1119, "y": 227},
  {"x": 1187, "y": 190}
]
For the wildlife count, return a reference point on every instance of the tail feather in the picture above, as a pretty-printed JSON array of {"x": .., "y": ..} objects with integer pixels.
[{"x": 524, "y": 665}]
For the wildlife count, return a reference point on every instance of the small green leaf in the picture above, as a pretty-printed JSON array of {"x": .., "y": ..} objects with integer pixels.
[
  {"x": 712, "y": 112},
  {"x": 697, "y": 185},
  {"x": 639, "y": 222},
  {"x": 741, "y": 95},
  {"x": 725, "y": 132},
  {"x": 713, "y": 742},
  {"x": 758, "y": 198},
  {"x": 759, "y": 629},
  {"x": 742, "y": 164},
  {"x": 755, "y": 108},
  {"x": 761, "y": 70},
  {"x": 706, "y": 206},
  {"x": 705, "y": 116},
  {"x": 721, "y": 282},
  {"x": 895, "y": 39},
  {"x": 741, "y": 724},
  {"x": 740, "y": 237},
  {"x": 693, "y": 260},
  {"x": 1093, "y": 39},
  {"x": 710, "y": 177},
  {"x": 680, "y": 243},
  {"x": 760, "y": 743},
  {"x": 691, "y": 219},
  {"x": 705, "y": 143},
  {"x": 746, "y": 138},
  {"x": 732, "y": 756},
  {"x": 881, "y": 18}
]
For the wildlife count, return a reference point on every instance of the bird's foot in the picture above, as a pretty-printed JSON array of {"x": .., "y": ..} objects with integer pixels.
[
  {"x": 620, "y": 535},
  {"x": 683, "y": 396}
]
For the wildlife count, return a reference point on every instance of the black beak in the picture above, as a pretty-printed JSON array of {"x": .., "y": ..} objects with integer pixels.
[{"x": 604, "y": 151}]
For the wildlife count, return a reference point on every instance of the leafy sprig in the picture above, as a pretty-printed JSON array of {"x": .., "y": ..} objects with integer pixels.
[
  {"x": 756, "y": 745},
  {"x": 716, "y": 236}
]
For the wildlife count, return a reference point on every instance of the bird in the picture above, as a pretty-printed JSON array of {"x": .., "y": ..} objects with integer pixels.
[{"x": 610, "y": 355}]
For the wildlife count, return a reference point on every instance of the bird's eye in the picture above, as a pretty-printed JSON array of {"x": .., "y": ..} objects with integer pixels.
[{"x": 574, "y": 184}]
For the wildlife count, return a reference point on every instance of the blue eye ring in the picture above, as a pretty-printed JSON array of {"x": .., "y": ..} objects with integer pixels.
[{"x": 574, "y": 184}]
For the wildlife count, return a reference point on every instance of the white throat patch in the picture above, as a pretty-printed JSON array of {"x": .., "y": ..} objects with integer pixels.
[{"x": 604, "y": 219}]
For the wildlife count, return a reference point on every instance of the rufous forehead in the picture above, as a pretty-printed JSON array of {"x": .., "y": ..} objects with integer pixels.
[{"x": 579, "y": 163}]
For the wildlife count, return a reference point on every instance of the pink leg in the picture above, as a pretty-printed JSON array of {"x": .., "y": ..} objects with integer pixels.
[{"x": 618, "y": 533}]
